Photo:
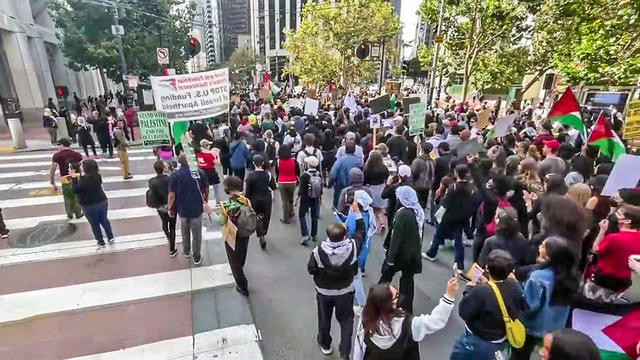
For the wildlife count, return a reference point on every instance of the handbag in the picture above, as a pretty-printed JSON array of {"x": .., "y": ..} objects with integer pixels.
[{"x": 516, "y": 333}]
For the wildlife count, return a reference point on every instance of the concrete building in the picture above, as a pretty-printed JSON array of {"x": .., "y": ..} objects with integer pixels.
[
  {"x": 227, "y": 26},
  {"x": 31, "y": 64}
]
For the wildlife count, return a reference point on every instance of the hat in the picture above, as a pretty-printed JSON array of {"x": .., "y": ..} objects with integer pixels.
[
  {"x": 311, "y": 161},
  {"x": 630, "y": 196},
  {"x": 554, "y": 145},
  {"x": 404, "y": 171},
  {"x": 598, "y": 181},
  {"x": 506, "y": 216},
  {"x": 205, "y": 143},
  {"x": 444, "y": 147},
  {"x": 382, "y": 147}
]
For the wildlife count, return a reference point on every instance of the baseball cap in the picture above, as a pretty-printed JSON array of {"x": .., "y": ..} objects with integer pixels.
[
  {"x": 598, "y": 181},
  {"x": 205, "y": 143},
  {"x": 554, "y": 145},
  {"x": 404, "y": 171}
]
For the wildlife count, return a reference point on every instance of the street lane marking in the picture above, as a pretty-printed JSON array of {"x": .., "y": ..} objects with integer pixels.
[
  {"x": 129, "y": 213},
  {"x": 88, "y": 247},
  {"x": 25, "y": 305},
  {"x": 47, "y": 163},
  {"x": 19, "y": 174},
  {"x": 55, "y": 199},
  {"x": 239, "y": 339},
  {"x": 45, "y": 184},
  {"x": 49, "y": 155}
]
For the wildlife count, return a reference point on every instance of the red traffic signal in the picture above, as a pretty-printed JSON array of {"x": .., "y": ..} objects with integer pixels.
[
  {"x": 193, "y": 47},
  {"x": 362, "y": 51},
  {"x": 62, "y": 91}
]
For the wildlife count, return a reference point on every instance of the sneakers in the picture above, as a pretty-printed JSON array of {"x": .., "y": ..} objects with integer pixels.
[
  {"x": 467, "y": 242},
  {"x": 305, "y": 240},
  {"x": 328, "y": 351},
  {"x": 357, "y": 310},
  {"x": 111, "y": 241},
  {"x": 263, "y": 242},
  {"x": 173, "y": 253},
  {"x": 427, "y": 257},
  {"x": 187, "y": 255},
  {"x": 128, "y": 177},
  {"x": 243, "y": 292},
  {"x": 5, "y": 235},
  {"x": 100, "y": 247},
  {"x": 197, "y": 260}
]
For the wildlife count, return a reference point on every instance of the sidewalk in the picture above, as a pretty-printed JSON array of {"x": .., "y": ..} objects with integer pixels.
[{"x": 37, "y": 139}]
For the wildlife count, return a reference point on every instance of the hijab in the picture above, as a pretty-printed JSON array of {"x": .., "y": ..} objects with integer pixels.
[
  {"x": 409, "y": 199},
  {"x": 364, "y": 200}
]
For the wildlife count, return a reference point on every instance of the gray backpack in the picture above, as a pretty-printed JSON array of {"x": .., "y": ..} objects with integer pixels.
[
  {"x": 245, "y": 220},
  {"x": 315, "y": 185}
]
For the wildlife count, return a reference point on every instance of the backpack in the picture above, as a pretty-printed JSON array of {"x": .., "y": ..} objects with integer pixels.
[
  {"x": 315, "y": 185},
  {"x": 152, "y": 200},
  {"x": 245, "y": 219},
  {"x": 490, "y": 228},
  {"x": 271, "y": 151}
]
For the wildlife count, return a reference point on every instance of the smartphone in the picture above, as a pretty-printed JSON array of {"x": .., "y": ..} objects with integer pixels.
[{"x": 454, "y": 270}]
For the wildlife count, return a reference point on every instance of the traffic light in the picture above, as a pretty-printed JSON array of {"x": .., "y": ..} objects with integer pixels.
[
  {"x": 62, "y": 91},
  {"x": 405, "y": 66},
  {"x": 362, "y": 51},
  {"x": 193, "y": 46}
]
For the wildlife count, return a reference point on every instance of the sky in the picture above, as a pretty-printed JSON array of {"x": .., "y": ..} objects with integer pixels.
[{"x": 409, "y": 19}]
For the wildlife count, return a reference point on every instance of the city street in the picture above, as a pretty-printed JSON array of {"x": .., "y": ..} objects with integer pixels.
[{"x": 133, "y": 296}]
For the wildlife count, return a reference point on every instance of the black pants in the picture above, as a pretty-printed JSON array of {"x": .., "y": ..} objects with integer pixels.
[
  {"x": 478, "y": 243},
  {"x": 237, "y": 259},
  {"x": 239, "y": 173},
  {"x": 344, "y": 314},
  {"x": 524, "y": 353},
  {"x": 86, "y": 150},
  {"x": 105, "y": 144},
  {"x": 3, "y": 226},
  {"x": 263, "y": 211},
  {"x": 405, "y": 301},
  {"x": 169, "y": 228}
]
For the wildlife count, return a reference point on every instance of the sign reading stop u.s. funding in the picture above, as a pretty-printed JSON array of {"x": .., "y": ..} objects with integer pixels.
[{"x": 154, "y": 128}]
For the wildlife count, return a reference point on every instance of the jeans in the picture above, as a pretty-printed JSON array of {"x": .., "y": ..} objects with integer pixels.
[
  {"x": 287, "y": 192},
  {"x": 336, "y": 195},
  {"x": 124, "y": 161},
  {"x": 524, "y": 353},
  {"x": 358, "y": 286},
  {"x": 406, "y": 286},
  {"x": 442, "y": 232},
  {"x": 191, "y": 228},
  {"x": 97, "y": 216},
  {"x": 343, "y": 305},
  {"x": 3, "y": 226},
  {"x": 169, "y": 228},
  {"x": 53, "y": 134},
  {"x": 312, "y": 205},
  {"x": 470, "y": 347},
  {"x": 239, "y": 173},
  {"x": 71, "y": 206},
  {"x": 237, "y": 258}
]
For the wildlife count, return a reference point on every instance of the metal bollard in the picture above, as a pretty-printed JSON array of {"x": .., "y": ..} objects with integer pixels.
[{"x": 17, "y": 135}]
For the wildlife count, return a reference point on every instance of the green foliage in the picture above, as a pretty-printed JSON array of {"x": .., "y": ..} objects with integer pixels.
[
  {"x": 242, "y": 63},
  {"x": 322, "y": 48},
  {"x": 87, "y": 42}
]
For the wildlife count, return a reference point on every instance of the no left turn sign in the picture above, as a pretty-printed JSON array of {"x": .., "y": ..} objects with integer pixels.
[{"x": 163, "y": 56}]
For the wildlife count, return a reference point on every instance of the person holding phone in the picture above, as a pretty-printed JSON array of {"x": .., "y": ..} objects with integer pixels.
[{"x": 61, "y": 160}]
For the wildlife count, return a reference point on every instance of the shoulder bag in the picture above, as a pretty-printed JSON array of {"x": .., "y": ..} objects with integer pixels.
[{"x": 516, "y": 333}]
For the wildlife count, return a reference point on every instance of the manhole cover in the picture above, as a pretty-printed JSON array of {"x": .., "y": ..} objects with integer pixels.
[{"x": 43, "y": 235}]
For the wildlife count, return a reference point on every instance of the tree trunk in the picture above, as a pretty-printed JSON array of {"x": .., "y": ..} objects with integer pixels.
[
  {"x": 465, "y": 78},
  {"x": 104, "y": 81}
]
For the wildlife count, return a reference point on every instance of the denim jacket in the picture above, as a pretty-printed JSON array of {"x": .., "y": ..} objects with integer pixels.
[{"x": 540, "y": 316}]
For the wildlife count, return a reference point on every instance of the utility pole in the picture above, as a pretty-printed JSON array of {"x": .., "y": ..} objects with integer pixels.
[
  {"x": 123, "y": 63},
  {"x": 381, "y": 80},
  {"x": 436, "y": 52}
]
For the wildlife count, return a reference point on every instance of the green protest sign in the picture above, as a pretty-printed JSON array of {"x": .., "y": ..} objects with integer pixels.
[
  {"x": 154, "y": 128},
  {"x": 416, "y": 118}
]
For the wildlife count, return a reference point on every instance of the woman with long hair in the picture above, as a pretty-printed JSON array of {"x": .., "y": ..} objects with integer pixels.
[
  {"x": 579, "y": 193},
  {"x": 375, "y": 178},
  {"x": 568, "y": 344},
  {"x": 548, "y": 293},
  {"x": 388, "y": 332},
  {"x": 528, "y": 176},
  {"x": 93, "y": 200},
  {"x": 287, "y": 172}
]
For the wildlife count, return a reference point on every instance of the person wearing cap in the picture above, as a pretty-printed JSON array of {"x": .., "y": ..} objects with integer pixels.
[
  {"x": 551, "y": 164},
  {"x": 309, "y": 198},
  {"x": 350, "y": 137},
  {"x": 544, "y": 134},
  {"x": 259, "y": 185},
  {"x": 339, "y": 176},
  {"x": 62, "y": 160}
]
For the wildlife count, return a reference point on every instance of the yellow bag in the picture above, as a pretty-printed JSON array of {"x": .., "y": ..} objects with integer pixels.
[{"x": 516, "y": 333}]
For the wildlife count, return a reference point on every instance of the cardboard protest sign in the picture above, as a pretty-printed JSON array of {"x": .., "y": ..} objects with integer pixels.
[
  {"x": 469, "y": 147},
  {"x": 154, "y": 128},
  {"x": 350, "y": 102},
  {"x": 503, "y": 125},
  {"x": 625, "y": 174},
  {"x": 380, "y": 104},
  {"x": 311, "y": 106},
  {"x": 416, "y": 118},
  {"x": 631, "y": 128},
  {"x": 483, "y": 119},
  {"x": 375, "y": 121},
  {"x": 192, "y": 96},
  {"x": 263, "y": 94}
]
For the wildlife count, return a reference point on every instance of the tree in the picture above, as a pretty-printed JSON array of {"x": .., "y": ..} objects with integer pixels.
[
  {"x": 322, "y": 48},
  {"x": 87, "y": 42},
  {"x": 242, "y": 63},
  {"x": 478, "y": 33}
]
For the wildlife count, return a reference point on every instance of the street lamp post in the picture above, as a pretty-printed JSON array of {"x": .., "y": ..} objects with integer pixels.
[
  {"x": 123, "y": 62},
  {"x": 436, "y": 52}
]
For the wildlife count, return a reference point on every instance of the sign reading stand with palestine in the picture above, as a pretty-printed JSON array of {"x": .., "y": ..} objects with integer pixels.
[
  {"x": 416, "y": 118},
  {"x": 192, "y": 96},
  {"x": 154, "y": 128}
]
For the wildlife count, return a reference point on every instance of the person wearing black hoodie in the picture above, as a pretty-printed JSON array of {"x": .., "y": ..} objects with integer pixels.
[{"x": 334, "y": 265}]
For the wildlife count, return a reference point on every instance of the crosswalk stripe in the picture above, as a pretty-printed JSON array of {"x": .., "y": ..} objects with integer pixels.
[
  {"x": 46, "y": 163},
  {"x": 128, "y": 213},
  {"x": 19, "y": 174},
  {"x": 88, "y": 247},
  {"x": 25, "y": 305},
  {"x": 55, "y": 199},
  {"x": 48, "y": 155},
  {"x": 235, "y": 339},
  {"x": 45, "y": 184}
]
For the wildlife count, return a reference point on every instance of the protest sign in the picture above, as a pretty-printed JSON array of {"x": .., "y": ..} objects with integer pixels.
[
  {"x": 625, "y": 174},
  {"x": 416, "y": 118},
  {"x": 350, "y": 102},
  {"x": 311, "y": 106},
  {"x": 631, "y": 129},
  {"x": 380, "y": 104},
  {"x": 374, "y": 121},
  {"x": 471, "y": 146},
  {"x": 192, "y": 96},
  {"x": 483, "y": 119},
  {"x": 503, "y": 125},
  {"x": 154, "y": 128},
  {"x": 408, "y": 101},
  {"x": 263, "y": 94}
]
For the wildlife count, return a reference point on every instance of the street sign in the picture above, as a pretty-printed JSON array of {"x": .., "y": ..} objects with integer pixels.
[
  {"x": 133, "y": 81},
  {"x": 439, "y": 39},
  {"x": 163, "y": 56},
  {"x": 259, "y": 67},
  {"x": 117, "y": 29}
]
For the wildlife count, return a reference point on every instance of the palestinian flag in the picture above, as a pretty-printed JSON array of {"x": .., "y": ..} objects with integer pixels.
[
  {"x": 273, "y": 88},
  {"x": 567, "y": 111},
  {"x": 607, "y": 140},
  {"x": 615, "y": 329}
]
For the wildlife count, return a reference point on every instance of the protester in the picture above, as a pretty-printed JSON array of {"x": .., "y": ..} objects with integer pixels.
[
  {"x": 375, "y": 176},
  {"x": 4, "y": 232},
  {"x": 93, "y": 200},
  {"x": 334, "y": 265},
  {"x": 158, "y": 195},
  {"x": 63, "y": 159},
  {"x": 84, "y": 137},
  {"x": 551, "y": 164},
  {"x": 50, "y": 123},
  {"x": 122, "y": 144},
  {"x": 259, "y": 185},
  {"x": 568, "y": 344},
  {"x": 187, "y": 199},
  {"x": 239, "y": 154},
  {"x": 340, "y": 171},
  {"x": 287, "y": 172},
  {"x": 208, "y": 159},
  {"x": 309, "y": 195}
]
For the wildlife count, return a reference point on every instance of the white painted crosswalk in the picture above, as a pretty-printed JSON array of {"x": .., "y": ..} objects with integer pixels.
[
  {"x": 48, "y": 163},
  {"x": 118, "y": 214},
  {"x": 48, "y": 155},
  {"x": 45, "y": 184},
  {"x": 57, "y": 199}
]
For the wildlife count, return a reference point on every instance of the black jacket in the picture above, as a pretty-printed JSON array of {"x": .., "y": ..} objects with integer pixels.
[
  {"x": 405, "y": 246},
  {"x": 159, "y": 186}
]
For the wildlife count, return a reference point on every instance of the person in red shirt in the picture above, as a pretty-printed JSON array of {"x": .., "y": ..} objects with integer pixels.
[
  {"x": 207, "y": 159},
  {"x": 62, "y": 159},
  {"x": 130, "y": 115},
  {"x": 287, "y": 171},
  {"x": 610, "y": 276}
]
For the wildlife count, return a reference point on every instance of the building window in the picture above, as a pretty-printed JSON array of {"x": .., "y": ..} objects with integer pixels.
[{"x": 272, "y": 24}]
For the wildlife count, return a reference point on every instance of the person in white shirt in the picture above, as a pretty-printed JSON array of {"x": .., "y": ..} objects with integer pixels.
[{"x": 350, "y": 136}]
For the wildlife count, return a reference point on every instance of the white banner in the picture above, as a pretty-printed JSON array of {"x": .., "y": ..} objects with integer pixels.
[{"x": 192, "y": 96}]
